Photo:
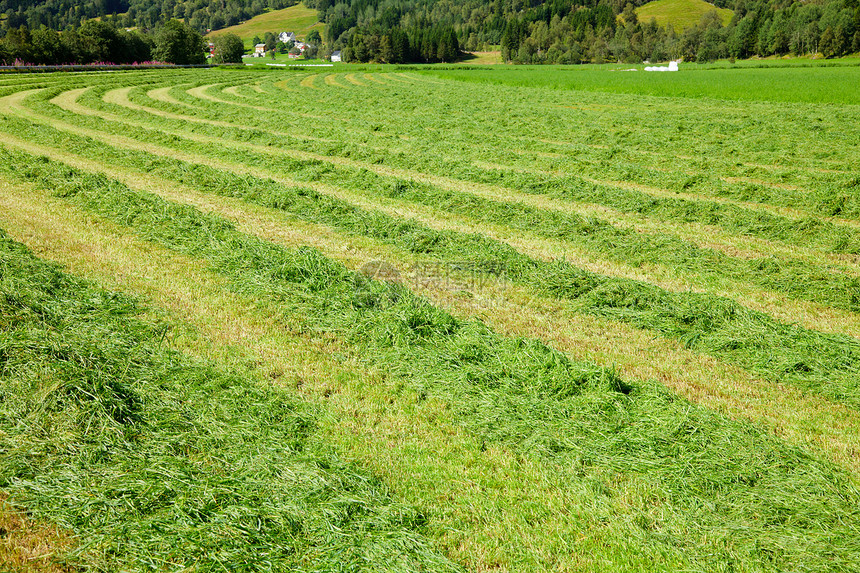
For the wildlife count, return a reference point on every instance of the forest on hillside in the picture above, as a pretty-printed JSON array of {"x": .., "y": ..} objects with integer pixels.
[
  {"x": 576, "y": 31},
  {"x": 146, "y": 15},
  {"x": 528, "y": 31},
  {"x": 101, "y": 42}
]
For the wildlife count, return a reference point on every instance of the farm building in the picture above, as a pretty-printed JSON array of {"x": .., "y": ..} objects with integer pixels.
[
  {"x": 335, "y": 56},
  {"x": 287, "y": 37},
  {"x": 260, "y": 50}
]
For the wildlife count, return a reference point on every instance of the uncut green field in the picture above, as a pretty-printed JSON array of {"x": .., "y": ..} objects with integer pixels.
[{"x": 407, "y": 319}]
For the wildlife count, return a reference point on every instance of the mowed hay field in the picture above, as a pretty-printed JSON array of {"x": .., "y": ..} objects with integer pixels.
[{"x": 415, "y": 320}]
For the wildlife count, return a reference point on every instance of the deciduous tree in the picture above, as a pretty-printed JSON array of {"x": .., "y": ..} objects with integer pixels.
[
  {"x": 228, "y": 49},
  {"x": 178, "y": 43}
]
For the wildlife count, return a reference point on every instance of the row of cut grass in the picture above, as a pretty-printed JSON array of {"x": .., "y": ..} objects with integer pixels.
[
  {"x": 798, "y": 279},
  {"x": 822, "y": 194},
  {"x": 816, "y": 362},
  {"x": 827, "y": 200},
  {"x": 604, "y": 437},
  {"x": 155, "y": 461}
]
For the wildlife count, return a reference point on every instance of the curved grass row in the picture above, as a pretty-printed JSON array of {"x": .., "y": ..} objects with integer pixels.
[
  {"x": 155, "y": 461},
  {"x": 819, "y": 363},
  {"x": 776, "y": 229},
  {"x": 743, "y": 191},
  {"x": 795, "y": 278},
  {"x": 619, "y": 449},
  {"x": 810, "y": 231},
  {"x": 618, "y": 149}
]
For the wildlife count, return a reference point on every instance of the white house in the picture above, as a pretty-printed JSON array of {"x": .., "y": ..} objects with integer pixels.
[
  {"x": 286, "y": 37},
  {"x": 335, "y": 56}
]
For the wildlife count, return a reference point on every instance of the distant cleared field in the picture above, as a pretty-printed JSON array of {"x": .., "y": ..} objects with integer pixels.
[
  {"x": 409, "y": 319},
  {"x": 680, "y": 13},
  {"x": 299, "y": 19},
  {"x": 481, "y": 58},
  {"x": 805, "y": 81}
]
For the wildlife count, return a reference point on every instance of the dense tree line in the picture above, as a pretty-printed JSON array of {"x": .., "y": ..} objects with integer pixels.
[
  {"x": 528, "y": 31},
  {"x": 574, "y": 31},
  {"x": 99, "y": 41},
  {"x": 396, "y": 46},
  {"x": 202, "y": 15}
]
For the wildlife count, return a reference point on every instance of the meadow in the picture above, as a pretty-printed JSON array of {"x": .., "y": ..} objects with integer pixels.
[
  {"x": 298, "y": 19},
  {"x": 430, "y": 319},
  {"x": 786, "y": 80},
  {"x": 680, "y": 14}
]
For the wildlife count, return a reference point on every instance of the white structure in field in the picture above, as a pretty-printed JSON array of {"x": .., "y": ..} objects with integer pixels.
[
  {"x": 673, "y": 67},
  {"x": 259, "y": 50},
  {"x": 286, "y": 37},
  {"x": 335, "y": 56}
]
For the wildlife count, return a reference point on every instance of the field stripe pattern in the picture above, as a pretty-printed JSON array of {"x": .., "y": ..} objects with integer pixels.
[{"x": 747, "y": 265}]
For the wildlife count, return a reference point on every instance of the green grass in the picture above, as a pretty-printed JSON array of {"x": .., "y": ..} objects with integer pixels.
[
  {"x": 826, "y": 364},
  {"x": 299, "y": 19},
  {"x": 804, "y": 84},
  {"x": 797, "y": 279},
  {"x": 820, "y": 194},
  {"x": 831, "y": 198},
  {"x": 538, "y": 447},
  {"x": 680, "y": 14},
  {"x": 818, "y": 363},
  {"x": 155, "y": 461},
  {"x": 601, "y": 439}
]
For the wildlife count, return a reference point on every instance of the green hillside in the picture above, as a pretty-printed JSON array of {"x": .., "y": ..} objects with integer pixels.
[
  {"x": 299, "y": 19},
  {"x": 680, "y": 13}
]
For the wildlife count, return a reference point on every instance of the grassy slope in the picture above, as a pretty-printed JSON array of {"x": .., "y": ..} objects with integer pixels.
[
  {"x": 680, "y": 13},
  {"x": 483, "y": 58},
  {"x": 299, "y": 19}
]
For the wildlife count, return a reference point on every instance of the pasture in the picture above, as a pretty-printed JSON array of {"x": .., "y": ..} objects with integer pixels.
[
  {"x": 428, "y": 319},
  {"x": 680, "y": 14},
  {"x": 299, "y": 19}
]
